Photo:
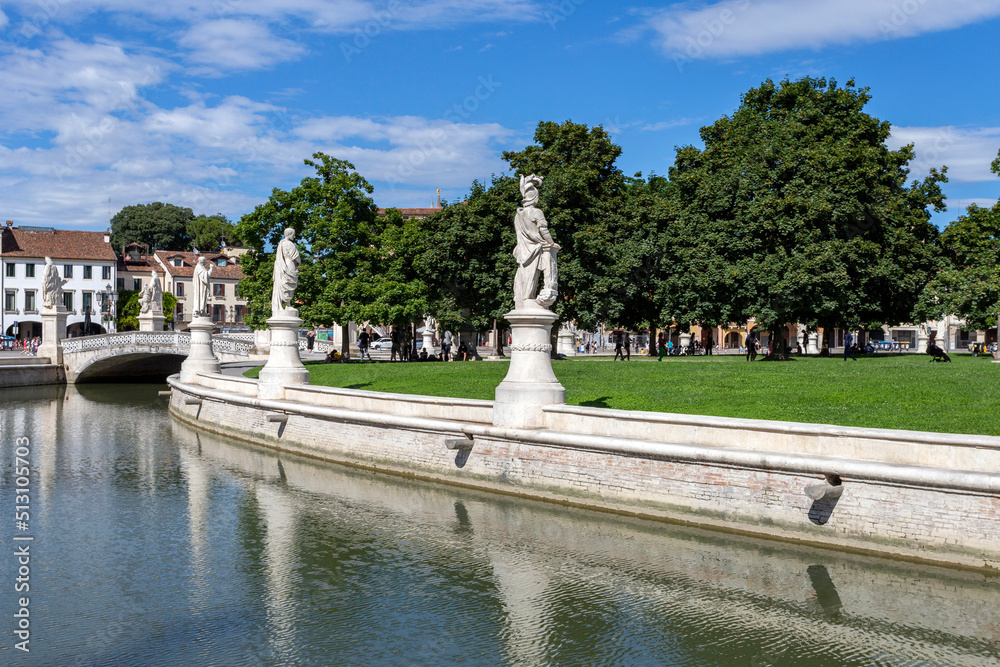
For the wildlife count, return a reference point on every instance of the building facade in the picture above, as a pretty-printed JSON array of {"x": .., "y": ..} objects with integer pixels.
[
  {"x": 85, "y": 260},
  {"x": 225, "y": 304}
]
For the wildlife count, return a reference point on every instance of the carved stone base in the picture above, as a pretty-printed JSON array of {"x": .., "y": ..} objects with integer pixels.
[
  {"x": 428, "y": 337},
  {"x": 567, "y": 342},
  {"x": 685, "y": 339},
  {"x": 152, "y": 321},
  {"x": 813, "y": 346},
  {"x": 284, "y": 366},
  {"x": 530, "y": 382},
  {"x": 53, "y": 331},
  {"x": 201, "y": 358}
]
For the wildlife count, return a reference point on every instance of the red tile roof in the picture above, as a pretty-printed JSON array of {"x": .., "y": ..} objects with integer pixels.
[
  {"x": 412, "y": 212},
  {"x": 57, "y": 244},
  {"x": 228, "y": 272}
]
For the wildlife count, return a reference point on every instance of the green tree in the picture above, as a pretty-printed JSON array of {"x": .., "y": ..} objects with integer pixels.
[
  {"x": 209, "y": 232},
  {"x": 158, "y": 225},
  {"x": 356, "y": 266},
  {"x": 796, "y": 211}
]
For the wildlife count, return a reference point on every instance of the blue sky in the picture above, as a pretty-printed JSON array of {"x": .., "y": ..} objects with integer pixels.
[{"x": 212, "y": 104}]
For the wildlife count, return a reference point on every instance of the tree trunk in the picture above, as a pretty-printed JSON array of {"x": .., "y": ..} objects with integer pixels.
[
  {"x": 345, "y": 342},
  {"x": 996, "y": 352},
  {"x": 497, "y": 340},
  {"x": 652, "y": 340},
  {"x": 777, "y": 352}
]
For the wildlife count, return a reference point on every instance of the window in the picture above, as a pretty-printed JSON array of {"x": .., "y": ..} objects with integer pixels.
[
  {"x": 68, "y": 300},
  {"x": 220, "y": 262},
  {"x": 120, "y": 284},
  {"x": 238, "y": 317},
  {"x": 133, "y": 255},
  {"x": 88, "y": 301},
  {"x": 137, "y": 284},
  {"x": 218, "y": 313},
  {"x": 29, "y": 301},
  {"x": 179, "y": 312},
  {"x": 88, "y": 272},
  {"x": 218, "y": 289},
  {"x": 178, "y": 289},
  {"x": 68, "y": 271},
  {"x": 29, "y": 270},
  {"x": 11, "y": 270},
  {"x": 105, "y": 273},
  {"x": 177, "y": 261},
  {"x": 10, "y": 301},
  {"x": 236, "y": 291}
]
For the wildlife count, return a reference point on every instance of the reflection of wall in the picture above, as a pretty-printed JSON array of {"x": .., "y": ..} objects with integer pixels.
[{"x": 537, "y": 552}]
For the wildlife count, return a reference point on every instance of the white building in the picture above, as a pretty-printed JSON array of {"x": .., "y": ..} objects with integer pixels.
[{"x": 85, "y": 259}]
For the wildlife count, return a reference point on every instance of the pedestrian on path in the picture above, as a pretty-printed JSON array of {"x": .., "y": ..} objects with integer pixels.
[
  {"x": 848, "y": 343},
  {"x": 661, "y": 342}
]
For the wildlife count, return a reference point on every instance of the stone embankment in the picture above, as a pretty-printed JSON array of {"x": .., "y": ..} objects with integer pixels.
[
  {"x": 925, "y": 496},
  {"x": 23, "y": 371}
]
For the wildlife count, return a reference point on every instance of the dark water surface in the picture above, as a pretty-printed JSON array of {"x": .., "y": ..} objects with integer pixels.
[{"x": 157, "y": 545}]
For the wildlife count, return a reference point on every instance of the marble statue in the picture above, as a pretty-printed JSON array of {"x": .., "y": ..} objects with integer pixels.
[
  {"x": 535, "y": 251},
  {"x": 52, "y": 285},
  {"x": 152, "y": 296},
  {"x": 286, "y": 273},
  {"x": 202, "y": 272},
  {"x": 430, "y": 324}
]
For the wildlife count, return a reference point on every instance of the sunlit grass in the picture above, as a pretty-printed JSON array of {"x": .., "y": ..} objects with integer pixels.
[{"x": 899, "y": 391}]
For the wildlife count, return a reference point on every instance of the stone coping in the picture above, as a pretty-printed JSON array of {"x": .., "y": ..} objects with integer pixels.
[
  {"x": 388, "y": 396},
  {"x": 792, "y": 428}
]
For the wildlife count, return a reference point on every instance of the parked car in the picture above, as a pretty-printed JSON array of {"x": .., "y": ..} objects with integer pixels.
[{"x": 381, "y": 344}]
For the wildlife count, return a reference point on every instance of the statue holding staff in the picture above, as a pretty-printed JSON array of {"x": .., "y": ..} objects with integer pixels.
[
  {"x": 286, "y": 273},
  {"x": 535, "y": 251},
  {"x": 152, "y": 295}
]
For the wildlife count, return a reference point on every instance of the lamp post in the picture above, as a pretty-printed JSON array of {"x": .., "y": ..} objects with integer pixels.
[{"x": 108, "y": 298}]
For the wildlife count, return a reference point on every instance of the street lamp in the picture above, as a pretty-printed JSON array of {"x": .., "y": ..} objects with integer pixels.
[{"x": 108, "y": 298}]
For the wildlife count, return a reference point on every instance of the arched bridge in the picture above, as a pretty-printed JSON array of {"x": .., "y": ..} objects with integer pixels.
[{"x": 138, "y": 355}]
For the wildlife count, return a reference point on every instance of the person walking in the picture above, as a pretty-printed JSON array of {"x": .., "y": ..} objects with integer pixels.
[
  {"x": 396, "y": 337},
  {"x": 364, "y": 341},
  {"x": 661, "y": 343},
  {"x": 751, "y": 347},
  {"x": 310, "y": 340},
  {"x": 619, "y": 346},
  {"x": 848, "y": 343},
  {"x": 628, "y": 346},
  {"x": 709, "y": 345}
]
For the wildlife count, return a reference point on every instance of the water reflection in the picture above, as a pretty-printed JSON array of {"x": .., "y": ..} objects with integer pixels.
[{"x": 161, "y": 545}]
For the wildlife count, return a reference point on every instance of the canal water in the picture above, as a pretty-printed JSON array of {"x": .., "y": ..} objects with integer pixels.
[{"x": 154, "y": 544}]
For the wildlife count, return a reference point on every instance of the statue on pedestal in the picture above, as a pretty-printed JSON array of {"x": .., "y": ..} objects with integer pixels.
[
  {"x": 286, "y": 273},
  {"x": 535, "y": 251},
  {"x": 202, "y": 272},
  {"x": 52, "y": 285},
  {"x": 430, "y": 324},
  {"x": 151, "y": 299}
]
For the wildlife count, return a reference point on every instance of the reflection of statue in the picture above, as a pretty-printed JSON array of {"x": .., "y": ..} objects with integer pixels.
[
  {"x": 202, "y": 272},
  {"x": 286, "y": 273},
  {"x": 535, "y": 251},
  {"x": 430, "y": 324},
  {"x": 152, "y": 296},
  {"x": 52, "y": 285}
]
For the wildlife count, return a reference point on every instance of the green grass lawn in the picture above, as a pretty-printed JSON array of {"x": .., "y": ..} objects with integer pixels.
[{"x": 892, "y": 391}]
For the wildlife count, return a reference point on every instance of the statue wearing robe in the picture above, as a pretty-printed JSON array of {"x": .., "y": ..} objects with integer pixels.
[
  {"x": 52, "y": 285},
  {"x": 202, "y": 272},
  {"x": 286, "y": 273},
  {"x": 535, "y": 251}
]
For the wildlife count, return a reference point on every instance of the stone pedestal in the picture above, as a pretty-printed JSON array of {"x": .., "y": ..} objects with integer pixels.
[
  {"x": 53, "y": 331},
  {"x": 530, "y": 382},
  {"x": 284, "y": 366},
  {"x": 685, "y": 339},
  {"x": 151, "y": 321},
  {"x": 922, "y": 338},
  {"x": 428, "y": 337},
  {"x": 566, "y": 342},
  {"x": 813, "y": 347},
  {"x": 201, "y": 358},
  {"x": 262, "y": 340}
]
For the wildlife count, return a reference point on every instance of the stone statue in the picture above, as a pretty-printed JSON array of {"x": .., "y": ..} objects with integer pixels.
[
  {"x": 52, "y": 285},
  {"x": 286, "y": 273},
  {"x": 430, "y": 324},
  {"x": 202, "y": 272},
  {"x": 535, "y": 251},
  {"x": 152, "y": 296}
]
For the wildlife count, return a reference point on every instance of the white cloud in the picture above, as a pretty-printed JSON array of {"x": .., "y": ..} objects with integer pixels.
[
  {"x": 967, "y": 152},
  {"x": 229, "y": 44},
  {"x": 743, "y": 27},
  {"x": 3, "y": 19},
  {"x": 962, "y": 204},
  {"x": 667, "y": 124}
]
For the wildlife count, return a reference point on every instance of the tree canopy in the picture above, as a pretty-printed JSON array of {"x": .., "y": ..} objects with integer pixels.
[
  {"x": 158, "y": 225},
  {"x": 797, "y": 211},
  {"x": 209, "y": 233},
  {"x": 355, "y": 265}
]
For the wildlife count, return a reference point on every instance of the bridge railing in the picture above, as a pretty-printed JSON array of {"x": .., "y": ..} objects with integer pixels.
[{"x": 175, "y": 339}]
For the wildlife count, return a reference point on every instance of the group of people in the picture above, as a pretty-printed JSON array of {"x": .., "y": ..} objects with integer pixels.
[{"x": 28, "y": 346}]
